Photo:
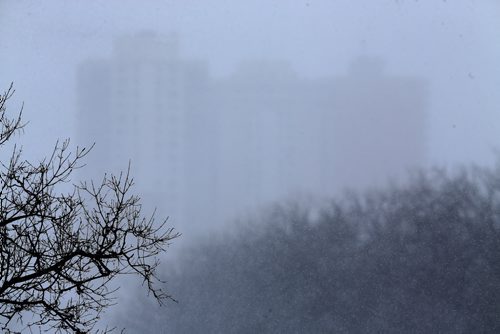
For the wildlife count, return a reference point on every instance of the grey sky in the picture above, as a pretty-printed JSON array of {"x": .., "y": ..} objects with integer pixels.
[{"x": 455, "y": 44}]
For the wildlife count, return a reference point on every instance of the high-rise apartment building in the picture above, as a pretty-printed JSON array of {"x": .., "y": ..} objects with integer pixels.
[
  {"x": 281, "y": 133},
  {"x": 377, "y": 125},
  {"x": 134, "y": 107},
  {"x": 204, "y": 149}
]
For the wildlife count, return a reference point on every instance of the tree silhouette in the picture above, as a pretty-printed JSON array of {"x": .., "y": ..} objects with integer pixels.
[
  {"x": 422, "y": 257},
  {"x": 59, "y": 251}
]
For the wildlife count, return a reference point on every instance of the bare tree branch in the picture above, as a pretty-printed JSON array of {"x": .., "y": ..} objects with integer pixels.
[{"x": 59, "y": 251}]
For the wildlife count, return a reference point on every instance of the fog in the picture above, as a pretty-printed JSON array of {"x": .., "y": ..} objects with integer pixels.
[{"x": 225, "y": 108}]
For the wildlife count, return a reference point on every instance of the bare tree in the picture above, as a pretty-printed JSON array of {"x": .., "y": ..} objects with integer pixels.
[{"x": 60, "y": 250}]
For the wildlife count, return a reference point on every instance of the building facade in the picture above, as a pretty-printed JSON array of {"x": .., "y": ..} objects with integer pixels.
[{"x": 205, "y": 149}]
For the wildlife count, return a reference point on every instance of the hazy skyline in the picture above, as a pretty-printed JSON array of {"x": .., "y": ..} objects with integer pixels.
[{"x": 205, "y": 150}]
